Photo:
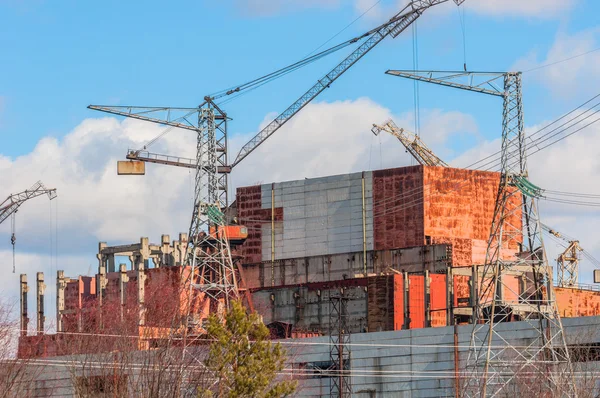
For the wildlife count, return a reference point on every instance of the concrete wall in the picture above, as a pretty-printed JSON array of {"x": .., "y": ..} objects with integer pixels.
[
  {"x": 321, "y": 216},
  {"x": 407, "y": 363},
  {"x": 337, "y": 267}
]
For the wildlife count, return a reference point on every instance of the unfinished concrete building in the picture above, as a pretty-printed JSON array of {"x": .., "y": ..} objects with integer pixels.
[{"x": 402, "y": 245}]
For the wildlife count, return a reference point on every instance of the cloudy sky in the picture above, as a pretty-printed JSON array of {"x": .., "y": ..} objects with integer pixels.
[{"x": 59, "y": 57}]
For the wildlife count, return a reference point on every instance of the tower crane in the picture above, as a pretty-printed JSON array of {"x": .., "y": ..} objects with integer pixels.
[
  {"x": 11, "y": 205},
  {"x": 411, "y": 142},
  {"x": 209, "y": 122},
  {"x": 567, "y": 262}
]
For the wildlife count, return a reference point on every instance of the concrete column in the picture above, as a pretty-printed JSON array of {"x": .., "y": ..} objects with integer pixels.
[
  {"x": 41, "y": 289},
  {"x": 23, "y": 295},
  {"x": 61, "y": 284},
  {"x": 111, "y": 262},
  {"x": 101, "y": 285},
  {"x": 165, "y": 251},
  {"x": 427, "y": 298},
  {"x": 145, "y": 250},
  {"x": 123, "y": 279},
  {"x": 141, "y": 278}
]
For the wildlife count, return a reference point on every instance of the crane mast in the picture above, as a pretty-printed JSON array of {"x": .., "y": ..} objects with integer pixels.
[
  {"x": 567, "y": 263},
  {"x": 411, "y": 142}
]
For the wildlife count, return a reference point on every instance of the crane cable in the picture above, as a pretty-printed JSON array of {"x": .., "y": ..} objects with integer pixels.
[
  {"x": 463, "y": 29},
  {"x": 13, "y": 238}
]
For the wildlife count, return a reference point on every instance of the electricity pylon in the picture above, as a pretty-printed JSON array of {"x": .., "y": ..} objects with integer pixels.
[{"x": 516, "y": 281}]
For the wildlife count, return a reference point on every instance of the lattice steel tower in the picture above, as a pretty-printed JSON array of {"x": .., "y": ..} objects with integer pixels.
[
  {"x": 339, "y": 351},
  {"x": 516, "y": 281}
]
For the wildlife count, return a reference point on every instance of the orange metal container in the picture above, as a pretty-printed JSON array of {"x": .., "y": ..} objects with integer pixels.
[{"x": 236, "y": 234}]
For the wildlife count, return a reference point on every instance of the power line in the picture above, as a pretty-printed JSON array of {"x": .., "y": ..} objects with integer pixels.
[{"x": 561, "y": 61}]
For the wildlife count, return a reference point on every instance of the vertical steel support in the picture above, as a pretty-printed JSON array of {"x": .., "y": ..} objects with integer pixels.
[
  {"x": 61, "y": 284},
  {"x": 341, "y": 380},
  {"x": 427, "y": 298},
  {"x": 449, "y": 297},
  {"x": 23, "y": 297},
  {"x": 213, "y": 273},
  {"x": 41, "y": 289},
  {"x": 406, "y": 282}
]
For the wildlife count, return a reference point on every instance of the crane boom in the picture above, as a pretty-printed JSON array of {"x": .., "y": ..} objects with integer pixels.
[
  {"x": 177, "y": 161},
  {"x": 411, "y": 142},
  {"x": 14, "y": 201},
  {"x": 568, "y": 261},
  {"x": 396, "y": 25}
]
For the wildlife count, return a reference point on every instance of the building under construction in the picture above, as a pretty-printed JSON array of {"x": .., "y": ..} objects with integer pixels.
[
  {"x": 420, "y": 281},
  {"x": 403, "y": 247}
]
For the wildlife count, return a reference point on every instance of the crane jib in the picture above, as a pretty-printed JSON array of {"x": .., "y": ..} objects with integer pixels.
[{"x": 393, "y": 27}]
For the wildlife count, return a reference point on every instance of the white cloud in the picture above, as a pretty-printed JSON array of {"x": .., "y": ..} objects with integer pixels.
[
  {"x": 335, "y": 138},
  {"x": 574, "y": 76},
  {"x": 93, "y": 202}
]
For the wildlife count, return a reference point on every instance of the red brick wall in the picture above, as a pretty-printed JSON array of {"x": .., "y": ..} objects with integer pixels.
[{"x": 250, "y": 214}]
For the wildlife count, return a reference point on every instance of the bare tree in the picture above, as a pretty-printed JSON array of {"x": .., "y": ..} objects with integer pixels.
[{"x": 16, "y": 376}]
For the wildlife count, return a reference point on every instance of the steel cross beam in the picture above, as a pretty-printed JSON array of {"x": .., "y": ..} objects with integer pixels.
[
  {"x": 480, "y": 82},
  {"x": 515, "y": 242}
]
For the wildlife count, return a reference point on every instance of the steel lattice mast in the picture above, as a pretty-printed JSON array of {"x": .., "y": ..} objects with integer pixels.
[
  {"x": 567, "y": 262},
  {"x": 515, "y": 256}
]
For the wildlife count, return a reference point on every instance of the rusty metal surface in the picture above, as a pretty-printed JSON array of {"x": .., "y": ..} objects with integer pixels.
[
  {"x": 397, "y": 208},
  {"x": 574, "y": 302}
]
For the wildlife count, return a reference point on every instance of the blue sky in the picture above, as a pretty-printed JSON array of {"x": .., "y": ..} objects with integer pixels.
[{"x": 58, "y": 57}]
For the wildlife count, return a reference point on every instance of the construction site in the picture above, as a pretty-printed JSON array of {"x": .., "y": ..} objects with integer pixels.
[{"x": 417, "y": 281}]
